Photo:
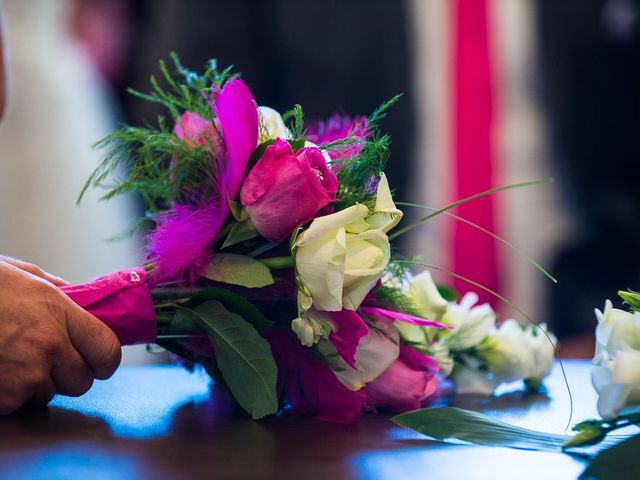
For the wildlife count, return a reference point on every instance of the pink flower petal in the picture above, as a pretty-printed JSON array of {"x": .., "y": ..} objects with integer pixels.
[
  {"x": 400, "y": 317},
  {"x": 350, "y": 328},
  {"x": 308, "y": 385},
  {"x": 402, "y": 387},
  {"x": 418, "y": 361}
]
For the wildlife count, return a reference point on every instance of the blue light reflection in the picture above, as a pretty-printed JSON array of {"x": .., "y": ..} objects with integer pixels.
[
  {"x": 459, "y": 462},
  {"x": 141, "y": 404},
  {"x": 70, "y": 461}
]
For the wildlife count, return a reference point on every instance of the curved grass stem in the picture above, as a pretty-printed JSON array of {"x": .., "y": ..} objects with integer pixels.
[
  {"x": 420, "y": 221},
  {"x": 519, "y": 252},
  {"x": 517, "y": 309}
]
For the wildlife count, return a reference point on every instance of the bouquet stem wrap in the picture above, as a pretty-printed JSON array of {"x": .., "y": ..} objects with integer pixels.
[{"x": 122, "y": 301}]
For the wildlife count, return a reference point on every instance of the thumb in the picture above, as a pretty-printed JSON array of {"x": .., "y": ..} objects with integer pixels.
[{"x": 98, "y": 345}]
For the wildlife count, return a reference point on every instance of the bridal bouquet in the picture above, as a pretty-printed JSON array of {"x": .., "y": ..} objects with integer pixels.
[{"x": 269, "y": 260}]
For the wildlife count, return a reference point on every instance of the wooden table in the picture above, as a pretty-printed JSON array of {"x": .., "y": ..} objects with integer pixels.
[{"x": 162, "y": 422}]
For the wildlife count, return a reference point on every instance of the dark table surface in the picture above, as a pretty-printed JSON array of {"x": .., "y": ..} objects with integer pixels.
[{"x": 160, "y": 422}]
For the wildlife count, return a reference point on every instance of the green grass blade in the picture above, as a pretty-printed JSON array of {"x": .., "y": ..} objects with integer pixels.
[
  {"x": 474, "y": 427},
  {"x": 420, "y": 221},
  {"x": 519, "y": 252}
]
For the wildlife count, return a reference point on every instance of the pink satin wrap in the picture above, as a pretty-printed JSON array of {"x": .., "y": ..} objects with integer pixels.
[{"x": 122, "y": 300}]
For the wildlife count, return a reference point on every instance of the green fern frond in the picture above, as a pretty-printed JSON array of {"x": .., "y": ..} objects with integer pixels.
[{"x": 158, "y": 165}]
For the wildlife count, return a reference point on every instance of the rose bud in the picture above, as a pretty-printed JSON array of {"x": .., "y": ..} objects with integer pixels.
[{"x": 284, "y": 190}]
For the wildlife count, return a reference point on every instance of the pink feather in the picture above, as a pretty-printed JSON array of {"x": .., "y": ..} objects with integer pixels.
[
  {"x": 238, "y": 115},
  {"x": 180, "y": 244},
  {"x": 339, "y": 127}
]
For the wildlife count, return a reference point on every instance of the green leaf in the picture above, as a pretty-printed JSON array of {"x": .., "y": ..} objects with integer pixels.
[
  {"x": 243, "y": 357},
  {"x": 473, "y": 427},
  {"x": 620, "y": 461},
  {"x": 297, "y": 144},
  {"x": 183, "y": 349},
  {"x": 238, "y": 270},
  {"x": 448, "y": 293},
  {"x": 233, "y": 302},
  {"x": 241, "y": 231},
  {"x": 237, "y": 211}
]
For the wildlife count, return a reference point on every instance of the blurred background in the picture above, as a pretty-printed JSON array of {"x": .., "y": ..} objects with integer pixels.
[{"x": 495, "y": 92}]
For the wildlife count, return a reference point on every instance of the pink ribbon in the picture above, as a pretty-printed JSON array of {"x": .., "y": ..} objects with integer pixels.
[{"x": 122, "y": 301}]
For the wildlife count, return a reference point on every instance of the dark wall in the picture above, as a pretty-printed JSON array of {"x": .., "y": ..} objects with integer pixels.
[
  {"x": 347, "y": 56},
  {"x": 591, "y": 59}
]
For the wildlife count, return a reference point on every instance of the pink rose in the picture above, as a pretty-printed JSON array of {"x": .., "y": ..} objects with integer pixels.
[
  {"x": 406, "y": 383},
  {"x": 191, "y": 128},
  {"x": 284, "y": 190}
]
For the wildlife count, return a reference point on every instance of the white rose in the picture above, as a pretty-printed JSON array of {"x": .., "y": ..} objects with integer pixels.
[
  {"x": 616, "y": 371},
  {"x": 341, "y": 256},
  {"x": 311, "y": 327},
  {"x": 441, "y": 352},
  {"x": 385, "y": 215},
  {"x": 471, "y": 323},
  {"x": 616, "y": 328},
  {"x": 425, "y": 296},
  {"x": 470, "y": 378},
  {"x": 542, "y": 348},
  {"x": 271, "y": 125},
  {"x": 506, "y": 353},
  {"x": 513, "y": 352},
  {"x": 617, "y": 381}
]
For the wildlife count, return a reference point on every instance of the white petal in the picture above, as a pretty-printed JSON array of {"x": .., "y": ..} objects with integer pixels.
[
  {"x": 378, "y": 350},
  {"x": 322, "y": 226},
  {"x": 385, "y": 215},
  {"x": 469, "y": 381},
  {"x": 425, "y": 295},
  {"x": 271, "y": 125}
]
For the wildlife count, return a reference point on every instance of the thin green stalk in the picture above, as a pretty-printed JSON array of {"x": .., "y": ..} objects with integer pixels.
[
  {"x": 174, "y": 293},
  {"x": 164, "y": 320},
  {"x": 279, "y": 263},
  {"x": 420, "y": 221},
  {"x": 488, "y": 232}
]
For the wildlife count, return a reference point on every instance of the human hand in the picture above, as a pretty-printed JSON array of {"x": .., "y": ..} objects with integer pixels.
[
  {"x": 48, "y": 344},
  {"x": 33, "y": 270}
]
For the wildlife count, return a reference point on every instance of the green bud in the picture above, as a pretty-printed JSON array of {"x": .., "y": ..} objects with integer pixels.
[
  {"x": 631, "y": 298},
  {"x": 590, "y": 432}
]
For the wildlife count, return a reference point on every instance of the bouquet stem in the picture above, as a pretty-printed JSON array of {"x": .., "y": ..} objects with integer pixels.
[{"x": 279, "y": 263}]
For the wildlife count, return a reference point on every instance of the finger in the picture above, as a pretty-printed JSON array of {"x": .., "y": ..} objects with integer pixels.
[
  {"x": 70, "y": 373},
  {"x": 12, "y": 394},
  {"x": 44, "y": 393},
  {"x": 35, "y": 270},
  {"x": 31, "y": 382},
  {"x": 97, "y": 344}
]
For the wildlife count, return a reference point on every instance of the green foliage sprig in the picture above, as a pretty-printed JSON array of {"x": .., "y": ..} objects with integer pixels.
[
  {"x": 158, "y": 165},
  {"x": 357, "y": 176},
  {"x": 631, "y": 299}
]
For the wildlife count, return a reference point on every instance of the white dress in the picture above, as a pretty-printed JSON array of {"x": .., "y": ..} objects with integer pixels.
[{"x": 56, "y": 110}]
